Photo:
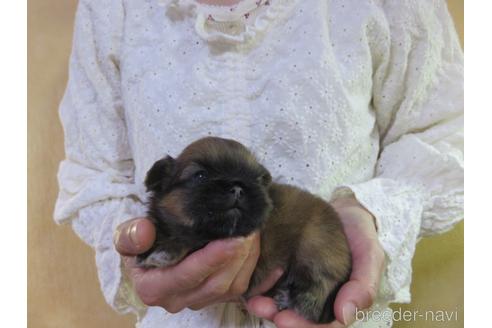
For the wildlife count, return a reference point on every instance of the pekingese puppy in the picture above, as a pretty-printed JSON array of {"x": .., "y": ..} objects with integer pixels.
[{"x": 217, "y": 189}]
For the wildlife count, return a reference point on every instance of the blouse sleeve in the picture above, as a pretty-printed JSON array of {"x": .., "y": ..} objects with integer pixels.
[
  {"x": 417, "y": 188},
  {"x": 97, "y": 190}
]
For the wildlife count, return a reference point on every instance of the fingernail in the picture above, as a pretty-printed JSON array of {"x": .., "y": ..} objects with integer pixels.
[
  {"x": 132, "y": 233},
  {"x": 348, "y": 313}
]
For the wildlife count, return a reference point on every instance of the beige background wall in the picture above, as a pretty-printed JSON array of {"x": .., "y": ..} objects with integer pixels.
[{"x": 63, "y": 290}]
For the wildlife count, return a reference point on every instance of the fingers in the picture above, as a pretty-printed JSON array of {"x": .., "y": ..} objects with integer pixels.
[
  {"x": 134, "y": 237},
  {"x": 266, "y": 307},
  {"x": 163, "y": 287},
  {"x": 290, "y": 319},
  {"x": 367, "y": 265},
  {"x": 367, "y": 268},
  {"x": 218, "y": 286},
  {"x": 262, "y": 307},
  {"x": 229, "y": 282},
  {"x": 241, "y": 281},
  {"x": 359, "y": 293},
  {"x": 267, "y": 283},
  {"x": 353, "y": 296},
  {"x": 202, "y": 263}
]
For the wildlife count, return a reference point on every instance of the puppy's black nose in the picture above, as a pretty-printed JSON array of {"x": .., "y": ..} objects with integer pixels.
[{"x": 237, "y": 192}]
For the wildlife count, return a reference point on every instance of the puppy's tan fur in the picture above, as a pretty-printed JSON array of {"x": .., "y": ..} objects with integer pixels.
[
  {"x": 304, "y": 235},
  {"x": 300, "y": 232}
]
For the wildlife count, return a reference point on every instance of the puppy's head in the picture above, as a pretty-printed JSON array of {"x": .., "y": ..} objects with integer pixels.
[{"x": 215, "y": 187}]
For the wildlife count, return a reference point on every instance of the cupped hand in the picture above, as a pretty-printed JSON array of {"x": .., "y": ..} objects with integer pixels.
[
  {"x": 219, "y": 272},
  {"x": 356, "y": 294}
]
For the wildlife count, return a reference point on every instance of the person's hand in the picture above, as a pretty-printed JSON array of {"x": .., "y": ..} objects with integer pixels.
[
  {"x": 356, "y": 294},
  {"x": 218, "y": 272}
]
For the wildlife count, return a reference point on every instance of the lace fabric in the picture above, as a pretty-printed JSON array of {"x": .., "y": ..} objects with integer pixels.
[{"x": 238, "y": 23}]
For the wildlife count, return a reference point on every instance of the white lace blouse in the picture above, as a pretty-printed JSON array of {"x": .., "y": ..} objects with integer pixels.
[{"x": 336, "y": 96}]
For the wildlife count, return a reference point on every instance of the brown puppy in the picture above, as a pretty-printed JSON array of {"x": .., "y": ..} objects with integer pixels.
[{"x": 217, "y": 189}]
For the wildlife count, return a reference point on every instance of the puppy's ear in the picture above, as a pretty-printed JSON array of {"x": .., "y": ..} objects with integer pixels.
[
  {"x": 161, "y": 174},
  {"x": 266, "y": 177}
]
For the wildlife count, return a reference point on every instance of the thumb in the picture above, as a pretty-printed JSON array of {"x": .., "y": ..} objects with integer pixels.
[
  {"x": 354, "y": 296},
  {"x": 134, "y": 237}
]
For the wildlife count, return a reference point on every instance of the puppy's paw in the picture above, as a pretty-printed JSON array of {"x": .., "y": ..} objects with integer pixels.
[
  {"x": 282, "y": 299},
  {"x": 157, "y": 259}
]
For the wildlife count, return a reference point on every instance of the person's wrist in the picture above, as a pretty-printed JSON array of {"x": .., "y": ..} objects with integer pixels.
[
  {"x": 349, "y": 203},
  {"x": 345, "y": 201}
]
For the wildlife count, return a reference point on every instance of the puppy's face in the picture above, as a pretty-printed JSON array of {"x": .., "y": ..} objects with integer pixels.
[{"x": 215, "y": 187}]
